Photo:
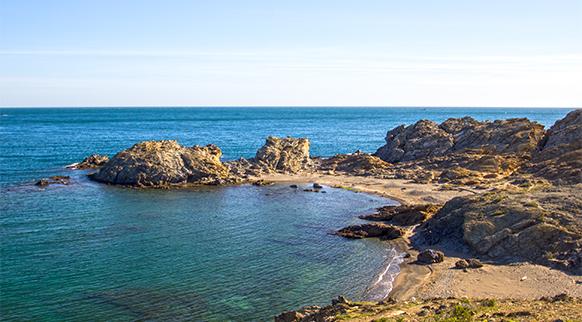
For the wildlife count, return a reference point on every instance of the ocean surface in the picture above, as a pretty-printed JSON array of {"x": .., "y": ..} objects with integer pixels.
[{"x": 89, "y": 252}]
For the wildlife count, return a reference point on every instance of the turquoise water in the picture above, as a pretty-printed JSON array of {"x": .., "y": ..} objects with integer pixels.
[{"x": 93, "y": 252}]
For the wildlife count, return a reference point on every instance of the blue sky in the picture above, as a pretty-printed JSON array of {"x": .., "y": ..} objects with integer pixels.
[{"x": 271, "y": 53}]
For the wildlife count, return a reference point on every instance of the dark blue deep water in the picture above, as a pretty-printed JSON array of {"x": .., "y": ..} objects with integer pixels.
[{"x": 89, "y": 252}]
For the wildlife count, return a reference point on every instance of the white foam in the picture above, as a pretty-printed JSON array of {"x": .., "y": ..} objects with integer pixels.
[{"x": 382, "y": 285}]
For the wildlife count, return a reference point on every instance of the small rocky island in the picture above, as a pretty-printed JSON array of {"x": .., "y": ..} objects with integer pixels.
[{"x": 499, "y": 197}]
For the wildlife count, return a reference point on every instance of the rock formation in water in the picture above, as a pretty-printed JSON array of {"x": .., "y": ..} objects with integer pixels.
[
  {"x": 543, "y": 227},
  {"x": 91, "y": 162},
  {"x": 160, "y": 163},
  {"x": 63, "y": 180},
  {"x": 404, "y": 215},
  {"x": 372, "y": 230},
  {"x": 288, "y": 155}
]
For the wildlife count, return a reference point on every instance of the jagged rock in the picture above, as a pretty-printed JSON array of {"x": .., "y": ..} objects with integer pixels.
[
  {"x": 420, "y": 140},
  {"x": 380, "y": 230},
  {"x": 559, "y": 158},
  {"x": 317, "y": 186},
  {"x": 64, "y": 180},
  {"x": 514, "y": 136},
  {"x": 543, "y": 227},
  {"x": 430, "y": 256},
  {"x": 405, "y": 215},
  {"x": 92, "y": 161},
  {"x": 159, "y": 163},
  {"x": 426, "y": 139},
  {"x": 284, "y": 155},
  {"x": 355, "y": 164}
]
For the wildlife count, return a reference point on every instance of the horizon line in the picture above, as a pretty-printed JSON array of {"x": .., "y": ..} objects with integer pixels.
[{"x": 285, "y": 106}]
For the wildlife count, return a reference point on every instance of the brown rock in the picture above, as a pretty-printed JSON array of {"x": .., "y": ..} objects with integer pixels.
[
  {"x": 405, "y": 215},
  {"x": 159, "y": 163},
  {"x": 382, "y": 231},
  {"x": 543, "y": 227},
  {"x": 426, "y": 139},
  {"x": 92, "y": 161},
  {"x": 284, "y": 155},
  {"x": 430, "y": 256},
  {"x": 355, "y": 164},
  {"x": 559, "y": 158}
]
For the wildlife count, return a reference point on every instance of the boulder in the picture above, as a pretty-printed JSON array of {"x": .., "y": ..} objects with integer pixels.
[
  {"x": 161, "y": 163},
  {"x": 380, "y": 230},
  {"x": 543, "y": 227},
  {"x": 468, "y": 263},
  {"x": 405, "y": 215},
  {"x": 92, "y": 161},
  {"x": 430, "y": 256},
  {"x": 289, "y": 155}
]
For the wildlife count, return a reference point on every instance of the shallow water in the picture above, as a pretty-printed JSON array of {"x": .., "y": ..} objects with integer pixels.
[
  {"x": 87, "y": 251},
  {"x": 95, "y": 252}
]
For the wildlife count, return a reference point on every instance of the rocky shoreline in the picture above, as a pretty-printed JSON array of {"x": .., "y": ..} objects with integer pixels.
[{"x": 504, "y": 192}]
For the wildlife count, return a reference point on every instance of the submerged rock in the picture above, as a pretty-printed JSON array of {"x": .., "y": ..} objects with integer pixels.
[
  {"x": 284, "y": 154},
  {"x": 382, "y": 231},
  {"x": 64, "y": 180},
  {"x": 159, "y": 163},
  {"x": 405, "y": 215}
]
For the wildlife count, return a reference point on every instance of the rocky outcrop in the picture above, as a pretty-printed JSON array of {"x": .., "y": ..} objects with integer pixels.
[
  {"x": 430, "y": 256},
  {"x": 379, "y": 230},
  {"x": 358, "y": 163},
  {"x": 461, "y": 151},
  {"x": 543, "y": 227},
  {"x": 91, "y": 162},
  {"x": 161, "y": 163},
  {"x": 561, "y": 307},
  {"x": 289, "y": 155},
  {"x": 316, "y": 313},
  {"x": 63, "y": 180},
  {"x": 559, "y": 157},
  {"x": 405, "y": 215},
  {"x": 420, "y": 140},
  {"x": 426, "y": 139}
]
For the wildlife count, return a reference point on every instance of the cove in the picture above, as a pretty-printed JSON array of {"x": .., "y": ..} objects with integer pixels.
[{"x": 94, "y": 252}]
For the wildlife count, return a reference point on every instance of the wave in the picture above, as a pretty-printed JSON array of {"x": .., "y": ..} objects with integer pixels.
[{"x": 383, "y": 283}]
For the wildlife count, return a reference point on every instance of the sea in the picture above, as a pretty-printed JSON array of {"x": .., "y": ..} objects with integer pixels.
[{"x": 93, "y": 252}]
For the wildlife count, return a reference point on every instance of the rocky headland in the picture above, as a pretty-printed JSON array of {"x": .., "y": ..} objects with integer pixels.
[{"x": 503, "y": 193}]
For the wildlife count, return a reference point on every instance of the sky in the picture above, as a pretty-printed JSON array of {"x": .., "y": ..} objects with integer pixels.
[{"x": 496, "y": 53}]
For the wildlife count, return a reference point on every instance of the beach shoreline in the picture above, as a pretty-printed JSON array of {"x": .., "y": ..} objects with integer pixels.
[{"x": 501, "y": 281}]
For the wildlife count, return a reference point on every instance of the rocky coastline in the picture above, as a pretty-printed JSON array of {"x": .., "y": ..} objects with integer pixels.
[{"x": 504, "y": 194}]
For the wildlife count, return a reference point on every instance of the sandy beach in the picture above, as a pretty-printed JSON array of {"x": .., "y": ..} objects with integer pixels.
[{"x": 442, "y": 280}]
